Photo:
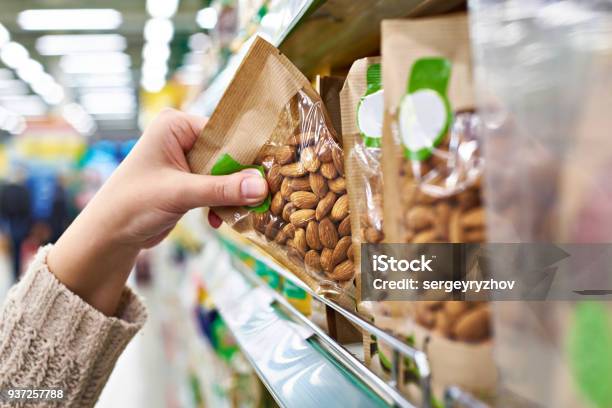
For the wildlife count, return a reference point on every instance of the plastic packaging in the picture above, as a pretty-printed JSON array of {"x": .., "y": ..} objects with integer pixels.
[
  {"x": 544, "y": 91},
  {"x": 271, "y": 118}
]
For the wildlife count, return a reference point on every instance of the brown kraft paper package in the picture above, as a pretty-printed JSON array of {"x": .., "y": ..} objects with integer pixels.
[
  {"x": 363, "y": 167},
  {"x": 362, "y": 97},
  {"x": 271, "y": 117},
  {"x": 432, "y": 170}
]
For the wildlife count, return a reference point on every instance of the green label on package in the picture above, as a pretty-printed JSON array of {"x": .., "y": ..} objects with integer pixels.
[
  {"x": 371, "y": 107},
  {"x": 424, "y": 113},
  {"x": 227, "y": 165}
]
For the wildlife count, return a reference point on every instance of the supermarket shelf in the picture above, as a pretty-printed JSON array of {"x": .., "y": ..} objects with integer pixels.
[
  {"x": 388, "y": 391},
  {"x": 325, "y": 34},
  {"x": 291, "y": 355},
  {"x": 454, "y": 396},
  {"x": 340, "y": 31}
]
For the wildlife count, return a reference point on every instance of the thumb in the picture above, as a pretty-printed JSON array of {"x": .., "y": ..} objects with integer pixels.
[{"x": 247, "y": 187}]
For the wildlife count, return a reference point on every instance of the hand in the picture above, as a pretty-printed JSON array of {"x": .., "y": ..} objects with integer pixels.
[{"x": 139, "y": 205}]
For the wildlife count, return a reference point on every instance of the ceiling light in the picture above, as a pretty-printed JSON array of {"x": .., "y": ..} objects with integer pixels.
[
  {"x": 162, "y": 8},
  {"x": 207, "y": 18},
  {"x": 13, "y": 87},
  {"x": 27, "y": 105},
  {"x": 13, "y": 54},
  {"x": 30, "y": 70},
  {"x": 154, "y": 69},
  {"x": 76, "y": 116},
  {"x": 108, "y": 102},
  {"x": 69, "y": 19},
  {"x": 5, "y": 36},
  {"x": 151, "y": 84},
  {"x": 158, "y": 30},
  {"x": 156, "y": 52},
  {"x": 101, "y": 80},
  {"x": 71, "y": 44},
  {"x": 111, "y": 62},
  {"x": 54, "y": 94}
]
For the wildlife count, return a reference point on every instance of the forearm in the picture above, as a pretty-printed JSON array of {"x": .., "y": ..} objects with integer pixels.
[{"x": 90, "y": 261}]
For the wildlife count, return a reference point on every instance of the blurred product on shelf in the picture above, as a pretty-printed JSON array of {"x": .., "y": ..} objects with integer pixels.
[
  {"x": 544, "y": 98},
  {"x": 362, "y": 105},
  {"x": 304, "y": 223},
  {"x": 432, "y": 160}
]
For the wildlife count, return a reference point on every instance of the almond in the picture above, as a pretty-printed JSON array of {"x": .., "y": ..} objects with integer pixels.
[
  {"x": 473, "y": 325},
  {"x": 285, "y": 189},
  {"x": 425, "y": 237},
  {"x": 326, "y": 260},
  {"x": 324, "y": 150},
  {"x": 349, "y": 253},
  {"x": 476, "y": 235},
  {"x": 304, "y": 199},
  {"x": 340, "y": 209},
  {"x": 454, "y": 227},
  {"x": 328, "y": 170},
  {"x": 338, "y": 185},
  {"x": 310, "y": 160},
  {"x": 441, "y": 220},
  {"x": 420, "y": 217},
  {"x": 300, "y": 218},
  {"x": 288, "y": 210},
  {"x": 304, "y": 139},
  {"x": 473, "y": 218},
  {"x": 325, "y": 205},
  {"x": 299, "y": 184},
  {"x": 318, "y": 185},
  {"x": 293, "y": 170},
  {"x": 284, "y": 154},
  {"x": 344, "y": 228},
  {"x": 312, "y": 259},
  {"x": 339, "y": 253},
  {"x": 373, "y": 235},
  {"x": 277, "y": 204},
  {"x": 274, "y": 178},
  {"x": 328, "y": 234},
  {"x": 344, "y": 271},
  {"x": 289, "y": 230},
  {"x": 299, "y": 240},
  {"x": 260, "y": 221},
  {"x": 468, "y": 198},
  {"x": 455, "y": 308},
  {"x": 443, "y": 324},
  {"x": 272, "y": 229},
  {"x": 281, "y": 237},
  {"x": 338, "y": 159},
  {"x": 312, "y": 235}
]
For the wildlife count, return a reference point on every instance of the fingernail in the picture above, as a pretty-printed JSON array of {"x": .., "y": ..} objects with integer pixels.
[
  {"x": 253, "y": 187},
  {"x": 252, "y": 171}
]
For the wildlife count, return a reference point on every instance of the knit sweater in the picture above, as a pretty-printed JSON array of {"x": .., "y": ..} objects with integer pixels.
[{"x": 51, "y": 338}]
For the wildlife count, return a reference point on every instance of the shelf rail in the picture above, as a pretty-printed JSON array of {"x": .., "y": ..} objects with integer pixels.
[{"x": 418, "y": 357}]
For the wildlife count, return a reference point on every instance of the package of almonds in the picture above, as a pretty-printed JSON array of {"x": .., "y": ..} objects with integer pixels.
[
  {"x": 362, "y": 104},
  {"x": 432, "y": 171},
  {"x": 271, "y": 118}
]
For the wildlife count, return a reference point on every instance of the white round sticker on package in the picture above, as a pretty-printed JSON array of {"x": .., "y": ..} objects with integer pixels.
[
  {"x": 370, "y": 114},
  {"x": 422, "y": 117}
]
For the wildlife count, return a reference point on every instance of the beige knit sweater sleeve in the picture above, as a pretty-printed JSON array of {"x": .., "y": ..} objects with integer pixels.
[{"x": 51, "y": 338}]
